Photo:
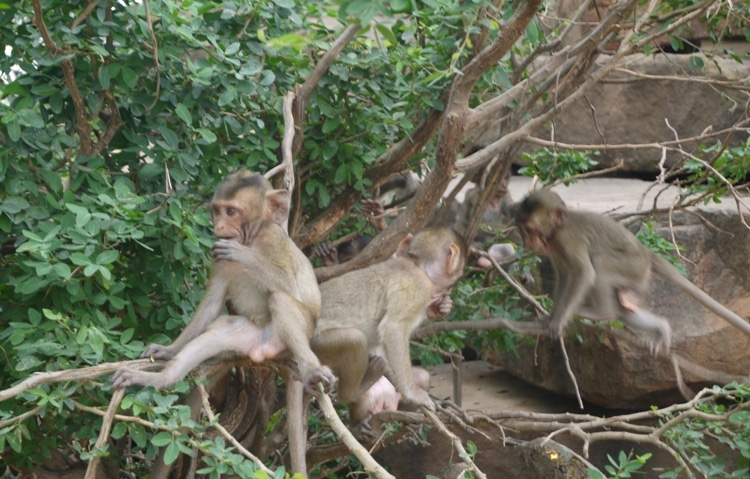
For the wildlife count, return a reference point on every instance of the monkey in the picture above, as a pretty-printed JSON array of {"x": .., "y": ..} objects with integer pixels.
[
  {"x": 496, "y": 215},
  {"x": 347, "y": 250},
  {"x": 601, "y": 269},
  {"x": 367, "y": 316},
  {"x": 264, "y": 279}
]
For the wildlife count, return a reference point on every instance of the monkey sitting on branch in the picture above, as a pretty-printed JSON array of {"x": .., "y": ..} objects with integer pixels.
[
  {"x": 266, "y": 281},
  {"x": 601, "y": 269},
  {"x": 368, "y": 315}
]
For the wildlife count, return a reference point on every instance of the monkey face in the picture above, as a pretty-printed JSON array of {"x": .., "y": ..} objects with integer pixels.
[{"x": 228, "y": 218}]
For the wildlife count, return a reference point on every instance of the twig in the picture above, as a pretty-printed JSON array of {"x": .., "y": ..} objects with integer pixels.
[
  {"x": 456, "y": 443},
  {"x": 155, "y": 50},
  {"x": 227, "y": 435},
  {"x": 101, "y": 441},
  {"x": 347, "y": 438},
  {"x": 82, "y": 374}
]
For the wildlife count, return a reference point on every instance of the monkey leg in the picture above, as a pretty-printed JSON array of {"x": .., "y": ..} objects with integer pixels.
[
  {"x": 230, "y": 334},
  {"x": 641, "y": 319},
  {"x": 345, "y": 351},
  {"x": 293, "y": 328}
]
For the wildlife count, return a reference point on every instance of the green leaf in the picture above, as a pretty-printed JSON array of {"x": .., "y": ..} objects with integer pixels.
[
  {"x": 161, "y": 439},
  {"x": 105, "y": 76},
  {"x": 90, "y": 270},
  {"x": 207, "y": 135},
  {"x": 184, "y": 114},
  {"x": 386, "y": 32},
  {"x": 14, "y": 130},
  {"x": 62, "y": 270},
  {"x": 171, "y": 453},
  {"x": 129, "y": 76},
  {"x": 107, "y": 257},
  {"x": 30, "y": 118},
  {"x": 285, "y": 3}
]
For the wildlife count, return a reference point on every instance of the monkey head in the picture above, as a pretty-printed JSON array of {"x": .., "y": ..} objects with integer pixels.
[
  {"x": 242, "y": 202},
  {"x": 440, "y": 252},
  {"x": 539, "y": 216}
]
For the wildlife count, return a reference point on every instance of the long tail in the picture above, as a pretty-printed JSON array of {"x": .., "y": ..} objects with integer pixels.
[{"x": 667, "y": 271}]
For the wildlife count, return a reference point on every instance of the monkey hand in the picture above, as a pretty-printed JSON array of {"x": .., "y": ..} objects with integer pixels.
[
  {"x": 374, "y": 212},
  {"x": 157, "y": 351},
  {"x": 556, "y": 327},
  {"x": 125, "y": 377},
  {"x": 321, "y": 374},
  {"x": 327, "y": 252},
  {"x": 227, "y": 250},
  {"x": 440, "y": 306}
]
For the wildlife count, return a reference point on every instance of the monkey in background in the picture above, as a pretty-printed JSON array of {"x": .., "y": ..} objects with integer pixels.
[
  {"x": 347, "y": 250},
  {"x": 601, "y": 269},
  {"x": 497, "y": 216},
  {"x": 368, "y": 315},
  {"x": 265, "y": 280}
]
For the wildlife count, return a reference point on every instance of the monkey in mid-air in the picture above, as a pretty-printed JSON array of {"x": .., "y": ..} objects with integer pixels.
[
  {"x": 601, "y": 269},
  {"x": 368, "y": 315},
  {"x": 264, "y": 279}
]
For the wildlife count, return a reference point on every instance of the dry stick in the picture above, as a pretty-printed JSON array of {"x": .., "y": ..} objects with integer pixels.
[
  {"x": 207, "y": 407},
  {"x": 82, "y": 374},
  {"x": 101, "y": 441},
  {"x": 347, "y": 438},
  {"x": 540, "y": 308},
  {"x": 456, "y": 443},
  {"x": 287, "y": 163}
]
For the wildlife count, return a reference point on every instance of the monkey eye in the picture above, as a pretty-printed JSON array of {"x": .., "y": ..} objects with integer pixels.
[{"x": 231, "y": 211}]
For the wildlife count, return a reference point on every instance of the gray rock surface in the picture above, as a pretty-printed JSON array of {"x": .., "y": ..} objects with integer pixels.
[{"x": 650, "y": 99}]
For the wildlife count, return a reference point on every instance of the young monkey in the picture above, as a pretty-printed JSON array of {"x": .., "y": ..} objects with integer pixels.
[
  {"x": 265, "y": 280},
  {"x": 601, "y": 269},
  {"x": 368, "y": 315}
]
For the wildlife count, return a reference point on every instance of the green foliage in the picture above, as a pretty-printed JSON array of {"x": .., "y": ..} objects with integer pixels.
[
  {"x": 557, "y": 165},
  {"x": 623, "y": 468},
  {"x": 474, "y": 300},
  {"x": 659, "y": 245},
  {"x": 718, "y": 426},
  {"x": 732, "y": 163}
]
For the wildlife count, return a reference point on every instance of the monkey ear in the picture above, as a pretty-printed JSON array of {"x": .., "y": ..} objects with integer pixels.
[
  {"x": 277, "y": 206},
  {"x": 560, "y": 216},
  {"x": 453, "y": 261},
  {"x": 404, "y": 245}
]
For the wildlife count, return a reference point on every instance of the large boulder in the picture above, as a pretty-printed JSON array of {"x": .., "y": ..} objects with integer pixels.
[{"x": 650, "y": 99}]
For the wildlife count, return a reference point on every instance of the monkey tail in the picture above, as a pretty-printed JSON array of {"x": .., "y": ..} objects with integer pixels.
[{"x": 667, "y": 271}]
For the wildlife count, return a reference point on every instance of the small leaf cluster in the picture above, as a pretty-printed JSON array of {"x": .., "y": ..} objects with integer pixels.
[
  {"x": 717, "y": 426},
  {"x": 732, "y": 163},
  {"x": 624, "y": 467},
  {"x": 557, "y": 165}
]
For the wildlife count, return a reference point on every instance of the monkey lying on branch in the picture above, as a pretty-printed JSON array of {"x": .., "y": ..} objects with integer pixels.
[{"x": 601, "y": 269}]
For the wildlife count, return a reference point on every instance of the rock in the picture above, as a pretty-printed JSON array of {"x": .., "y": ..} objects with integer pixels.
[
  {"x": 618, "y": 373},
  {"x": 631, "y": 109}
]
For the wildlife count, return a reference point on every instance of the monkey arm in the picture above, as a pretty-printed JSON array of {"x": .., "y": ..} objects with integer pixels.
[
  {"x": 575, "y": 277},
  {"x": 395, "y": 344},
  {"x": 267, "y": 274}
]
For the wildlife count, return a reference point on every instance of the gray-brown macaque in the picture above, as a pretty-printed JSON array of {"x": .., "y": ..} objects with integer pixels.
[
  {"x": 368, "y": 315},
  {"x": 264, "y": 279},
  {"x": 601, "y": 269}
]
